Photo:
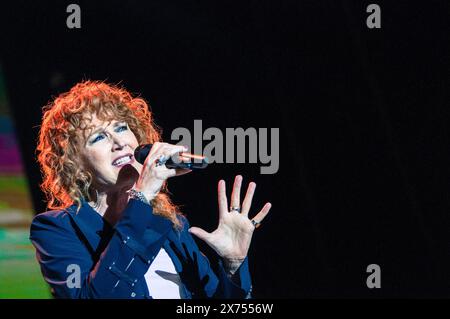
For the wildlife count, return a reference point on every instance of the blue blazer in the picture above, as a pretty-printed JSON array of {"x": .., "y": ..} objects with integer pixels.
[{"x": 112, "y": 262}]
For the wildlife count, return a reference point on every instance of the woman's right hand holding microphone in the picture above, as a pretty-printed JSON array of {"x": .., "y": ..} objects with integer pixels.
[{"x": 154, "y": 173}]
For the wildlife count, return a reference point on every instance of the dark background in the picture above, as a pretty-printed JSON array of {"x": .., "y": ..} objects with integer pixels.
[{"x": 363, "y": 115}]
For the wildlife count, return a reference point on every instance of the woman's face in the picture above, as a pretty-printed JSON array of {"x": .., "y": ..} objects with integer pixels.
[{"x": 108, "y": 148}]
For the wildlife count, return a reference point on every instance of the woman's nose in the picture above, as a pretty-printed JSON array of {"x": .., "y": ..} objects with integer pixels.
[{"x": 118, "y": 144}]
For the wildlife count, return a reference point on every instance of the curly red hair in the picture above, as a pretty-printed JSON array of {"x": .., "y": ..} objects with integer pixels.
[{"x": 64, "y": 180}]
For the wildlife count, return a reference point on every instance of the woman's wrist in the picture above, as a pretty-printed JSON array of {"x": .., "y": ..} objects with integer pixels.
[
  {"x": 231, "y": 265},
  {"x": 150, "y": 196},
  {"x": 143, "y": 197}
]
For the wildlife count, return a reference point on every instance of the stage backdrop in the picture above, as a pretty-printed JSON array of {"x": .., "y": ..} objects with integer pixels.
[{"x": 20, "y": 276}]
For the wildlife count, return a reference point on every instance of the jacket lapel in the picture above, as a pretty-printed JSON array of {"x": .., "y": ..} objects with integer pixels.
[{"x": 89, "y": 223}]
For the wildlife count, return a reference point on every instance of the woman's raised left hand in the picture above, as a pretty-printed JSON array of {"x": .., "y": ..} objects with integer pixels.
[{"x": 231, "y": 240}]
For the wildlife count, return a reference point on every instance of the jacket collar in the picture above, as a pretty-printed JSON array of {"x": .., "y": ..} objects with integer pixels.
[{"x": 93, "y": 226}]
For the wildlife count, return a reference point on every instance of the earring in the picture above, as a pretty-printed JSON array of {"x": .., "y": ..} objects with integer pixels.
[
  {"x": 97, "y": 201},
  {"x": 96, "y": 205}
]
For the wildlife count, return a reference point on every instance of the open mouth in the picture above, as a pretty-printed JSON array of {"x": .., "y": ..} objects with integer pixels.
[{"x": 123, "y": 160}]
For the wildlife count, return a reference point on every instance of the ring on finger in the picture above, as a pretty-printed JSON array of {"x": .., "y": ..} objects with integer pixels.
[
  {"x": 255, "y": 223},
  {"x": 161, "y": 160},
  {"x": 235, "y": 208}
]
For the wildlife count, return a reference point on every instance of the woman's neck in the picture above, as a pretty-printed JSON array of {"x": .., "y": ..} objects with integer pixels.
[{"x": 110, "y": 205}]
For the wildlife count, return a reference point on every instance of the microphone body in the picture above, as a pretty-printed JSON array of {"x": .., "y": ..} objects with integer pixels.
[{"x": 183, "y": 160}]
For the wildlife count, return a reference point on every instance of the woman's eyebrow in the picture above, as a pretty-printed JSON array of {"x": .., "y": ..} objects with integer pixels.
[{"x": 101, "y": 128}]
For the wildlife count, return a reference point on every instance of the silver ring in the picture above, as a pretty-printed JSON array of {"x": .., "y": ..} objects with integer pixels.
[
  {"x": 161, "y": 160},
  {"x": 255, "y": 223},
  {"x": 235, "y": 208}
]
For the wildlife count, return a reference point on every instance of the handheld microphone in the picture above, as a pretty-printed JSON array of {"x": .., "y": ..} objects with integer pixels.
[{"x": 184, "y": 160}]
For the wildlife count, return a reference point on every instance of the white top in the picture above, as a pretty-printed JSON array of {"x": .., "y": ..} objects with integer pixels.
[{"x": 162, "y": 279}]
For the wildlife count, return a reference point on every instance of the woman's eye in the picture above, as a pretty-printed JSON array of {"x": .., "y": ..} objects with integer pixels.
[
  {"x": 101, "y": 136},
  {"x": 98, "y": 138},
  {"x": 122, "y": 128}
]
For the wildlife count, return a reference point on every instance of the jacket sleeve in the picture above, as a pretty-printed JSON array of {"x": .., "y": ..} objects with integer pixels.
[
  {"x": 67, "y": 264},
  {"x": 219, "y": 284}
]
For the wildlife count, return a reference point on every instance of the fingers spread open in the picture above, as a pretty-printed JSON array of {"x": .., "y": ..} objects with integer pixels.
[
  {"x": 236, "y": 193},
  {"x": 200, "y": 233},
  {"x": 222, "y": 199},
  {"x": 262, "y": 213},
  {"x": 247, "y": 203}
]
